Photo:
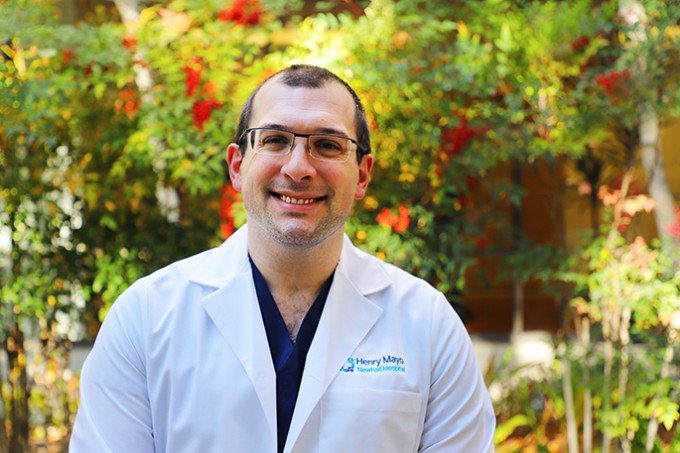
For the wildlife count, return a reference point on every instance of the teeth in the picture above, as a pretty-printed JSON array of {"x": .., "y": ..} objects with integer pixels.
[{"x": 296, "y": 200}]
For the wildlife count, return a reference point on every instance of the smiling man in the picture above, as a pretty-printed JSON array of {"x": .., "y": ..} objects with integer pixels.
[{"x": 286, "y": 338}]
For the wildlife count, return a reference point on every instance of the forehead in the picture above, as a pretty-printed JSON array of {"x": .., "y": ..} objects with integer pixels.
[{"x": 303, "y": 109}]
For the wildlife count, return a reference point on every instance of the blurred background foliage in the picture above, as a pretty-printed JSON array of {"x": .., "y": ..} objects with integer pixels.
[{"x": 113, "y": 133}]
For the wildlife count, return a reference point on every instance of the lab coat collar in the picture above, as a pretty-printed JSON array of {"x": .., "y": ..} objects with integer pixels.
[
  {"x": 360, "y": 269},
  {"x": 225, "y": 261}
]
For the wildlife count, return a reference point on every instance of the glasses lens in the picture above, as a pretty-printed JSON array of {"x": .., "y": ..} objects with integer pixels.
[
  {"x": 329, "y": 147},
  {"x": 272, "y": 141}
]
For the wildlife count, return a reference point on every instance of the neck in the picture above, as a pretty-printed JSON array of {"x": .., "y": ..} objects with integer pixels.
[{"x": 296, "y": 270}]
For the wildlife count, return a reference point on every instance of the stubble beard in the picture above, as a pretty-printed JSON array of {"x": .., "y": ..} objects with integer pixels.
[{"x": 289, "y": 235}]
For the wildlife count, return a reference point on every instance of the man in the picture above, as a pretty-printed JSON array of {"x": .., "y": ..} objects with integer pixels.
[{"x": 286, "y": 338}]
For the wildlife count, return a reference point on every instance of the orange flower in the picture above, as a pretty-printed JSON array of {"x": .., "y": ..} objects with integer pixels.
[
  {"x": 399, "y": 222},
  {"x": 209, "y": 89},
  {"x": 404, "y": 219},
  {"x": 128, "y": 103},
  {"x": 228, "y": 196},
  {"x": 129, "y": 42}
]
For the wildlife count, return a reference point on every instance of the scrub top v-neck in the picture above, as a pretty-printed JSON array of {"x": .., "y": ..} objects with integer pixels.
[{"x": 288, "y": 355}]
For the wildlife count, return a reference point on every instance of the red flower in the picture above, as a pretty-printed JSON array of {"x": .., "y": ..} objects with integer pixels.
[
  {"x": 456, "y": 138},
  {"x": 243, "y": 12},
  {"x": 613, "y": 83},
  {"x": 193, "y": 76},
  {"x": 202, "y": 111},
  {"x": 67, "y": 55},
  {"x": 228, "y": 15},
  {"x": 252, "y": 18},
  {"x": 580, "y": 43}
]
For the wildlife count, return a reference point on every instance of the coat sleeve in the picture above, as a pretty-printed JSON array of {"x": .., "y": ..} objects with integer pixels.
[
  {"x": 114, "y": 413},
  {"x": 459, "y": 416}
]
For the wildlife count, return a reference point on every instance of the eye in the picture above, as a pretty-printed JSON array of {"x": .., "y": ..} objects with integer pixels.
[
  {"x": 329, "y": 145},
  {"x": 273, "y": 140}
]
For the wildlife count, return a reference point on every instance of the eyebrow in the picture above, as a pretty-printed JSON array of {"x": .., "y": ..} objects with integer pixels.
[{"x": 323, "y": 130}]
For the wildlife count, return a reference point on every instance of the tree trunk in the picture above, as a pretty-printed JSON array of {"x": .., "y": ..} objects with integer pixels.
[
  {"x": 624, "y": 338},
  {"x": 517, "y": 283},
  {"x": 607, "y": 329},
  {"x": 568, "y": 391},
  {"x": 655, "y": 170},
  {"x": 587, "y": 392},
  {"x": 653, "y": 427},
  {"x": 19, "y": 394},
  {"x": 4, "y": 440}
]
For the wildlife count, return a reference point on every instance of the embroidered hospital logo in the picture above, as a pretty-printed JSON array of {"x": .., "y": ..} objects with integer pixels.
[
  {"x": 349, "y": 366},
  {"x": 384, "y": 364}
]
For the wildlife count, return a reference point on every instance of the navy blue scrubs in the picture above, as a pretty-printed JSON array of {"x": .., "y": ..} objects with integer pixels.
[{"x": 288, "y": 355}]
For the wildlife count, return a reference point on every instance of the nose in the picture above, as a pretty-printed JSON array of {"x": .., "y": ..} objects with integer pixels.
[{"x": 299, "y": 165}]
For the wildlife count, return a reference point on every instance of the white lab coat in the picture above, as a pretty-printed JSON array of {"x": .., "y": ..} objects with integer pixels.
[{"x": 182, "y": 364}]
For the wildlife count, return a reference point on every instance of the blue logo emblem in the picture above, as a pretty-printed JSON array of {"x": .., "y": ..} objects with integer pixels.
[{"x": 349, "y": 366}]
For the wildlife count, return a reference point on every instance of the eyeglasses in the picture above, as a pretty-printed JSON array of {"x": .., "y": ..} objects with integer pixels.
[{"x": 275, "y": 142}]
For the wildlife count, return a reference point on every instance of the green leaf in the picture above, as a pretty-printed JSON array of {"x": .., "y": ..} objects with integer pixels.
[
  {"x": 505, "y": 429},
  {"x": 669, "y": 415},
  {"x": 99, "y": 89}
]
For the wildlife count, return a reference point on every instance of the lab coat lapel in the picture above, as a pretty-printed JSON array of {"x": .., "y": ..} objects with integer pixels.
[
  {"x": 234, "y": 310},
  {"x": 347, "y": 318}
]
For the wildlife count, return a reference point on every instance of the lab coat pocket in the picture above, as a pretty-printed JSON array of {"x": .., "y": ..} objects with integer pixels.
[{"x": 370, "y": 420}]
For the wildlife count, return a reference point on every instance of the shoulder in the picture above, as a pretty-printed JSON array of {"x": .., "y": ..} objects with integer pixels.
[
  {"x": 368, "y": 270},
  {"x": 385, "y": 283},
  {"x": 189, "y": 278},
  {"x": 208, "y": 268},
  {"x": 134, "y": 304},
  {"x": 178, "y": 271}
]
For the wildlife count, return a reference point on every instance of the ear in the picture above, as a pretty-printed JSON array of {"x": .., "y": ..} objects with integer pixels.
[
  {"x": 365, "y": 167},
  {"x": 234, "y": 160}
]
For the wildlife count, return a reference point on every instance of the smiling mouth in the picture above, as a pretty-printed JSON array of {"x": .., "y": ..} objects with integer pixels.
[{"x": 300, "y": 201}]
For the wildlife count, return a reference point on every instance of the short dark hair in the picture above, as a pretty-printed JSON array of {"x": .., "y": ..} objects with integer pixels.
[{"x": 309, "y": 76}]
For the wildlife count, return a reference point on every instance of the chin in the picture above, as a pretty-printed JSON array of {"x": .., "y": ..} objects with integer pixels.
[{"x": 302, "y": 237}]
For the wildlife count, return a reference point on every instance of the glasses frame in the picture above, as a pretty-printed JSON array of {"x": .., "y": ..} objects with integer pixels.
[{"x": 308, "y": 148}]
